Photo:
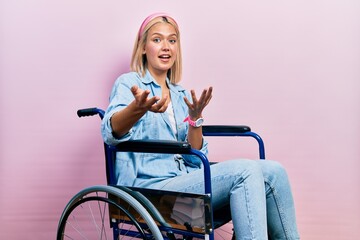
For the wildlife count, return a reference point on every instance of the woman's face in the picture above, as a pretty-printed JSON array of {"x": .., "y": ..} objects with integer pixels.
[{"x": 161, "y": 48}]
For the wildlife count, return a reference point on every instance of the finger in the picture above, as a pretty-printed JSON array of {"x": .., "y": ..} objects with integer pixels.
[
  {"x": 152, "y": 101},
  {"x": 209, "y": 95},
  {"x": 208, "y": 100},
  {"x": 134, "y": 89},
  {"x": 206, "y": 94},
  {"x": 210, "y": 90},
  {"x": 163, "y": 100},
  {"x": 193, "y": 96},
  {"x": 163, "y": 108},
  {"x": 203, "y": 95},
  {"x": 188, "y": 103},
  {"x": 159, "y": 104},
  {"x": 144, "y": 95}
]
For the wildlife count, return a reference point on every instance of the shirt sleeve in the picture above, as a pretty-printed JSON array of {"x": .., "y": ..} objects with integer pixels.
[
  {"x": 120, "y": 98},
  {"x": 195, "y": 161}
]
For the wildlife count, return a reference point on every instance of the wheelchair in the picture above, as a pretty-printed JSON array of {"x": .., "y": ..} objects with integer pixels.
[{"x": 118, "y": 212}]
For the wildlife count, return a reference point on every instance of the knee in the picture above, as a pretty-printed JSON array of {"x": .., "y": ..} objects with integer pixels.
[
  {"x": 273, "y": 170},
  {"x": 277, "y": 168},
  {"x": 245, "y": 168}
]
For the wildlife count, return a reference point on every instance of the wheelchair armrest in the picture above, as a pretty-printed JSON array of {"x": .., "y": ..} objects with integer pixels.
[
  {"x": 232, "y": 131},
  {"x": 154, "y": 146},
  {"x": 223, "y": 130}
]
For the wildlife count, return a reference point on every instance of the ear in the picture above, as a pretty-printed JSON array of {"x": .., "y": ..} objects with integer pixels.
[{"x": 144, "y": 50}]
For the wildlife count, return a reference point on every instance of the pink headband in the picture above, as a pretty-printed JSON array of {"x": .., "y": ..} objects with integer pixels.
[{"x": 150, "y": 18}]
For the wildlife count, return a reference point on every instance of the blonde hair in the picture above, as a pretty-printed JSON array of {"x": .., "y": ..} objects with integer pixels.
[{"x": 138, "y": 60}]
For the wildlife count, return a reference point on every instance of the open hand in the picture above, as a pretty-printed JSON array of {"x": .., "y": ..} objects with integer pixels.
[
  {"x": 153, "y": 104},
  {"x": 198, "y": 105}
]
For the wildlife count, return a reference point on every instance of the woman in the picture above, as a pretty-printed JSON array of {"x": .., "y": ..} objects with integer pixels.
[{"x": 148, "y": 103}]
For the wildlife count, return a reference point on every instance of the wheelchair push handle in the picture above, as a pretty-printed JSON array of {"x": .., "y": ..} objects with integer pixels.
[{"x": 87, "y": 112}]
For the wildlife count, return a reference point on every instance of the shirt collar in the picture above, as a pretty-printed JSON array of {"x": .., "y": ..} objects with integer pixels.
[{"x": 148, "y": 78}]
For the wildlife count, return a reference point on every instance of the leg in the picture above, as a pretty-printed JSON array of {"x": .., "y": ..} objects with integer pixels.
[
  {"x": 279, "y": 202},
  {"x": 238, "y": 182}
]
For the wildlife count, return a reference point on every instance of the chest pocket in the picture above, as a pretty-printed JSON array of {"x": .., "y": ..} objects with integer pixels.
[{"x": 155, "y": 126}]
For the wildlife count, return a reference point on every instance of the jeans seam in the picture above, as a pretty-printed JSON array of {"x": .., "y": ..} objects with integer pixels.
[
  {"x": 279, "y": 208},
  {"x": 248, "y": 210}
]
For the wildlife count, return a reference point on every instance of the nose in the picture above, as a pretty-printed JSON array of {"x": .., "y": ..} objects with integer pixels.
[{"x": 165, "y": 46}]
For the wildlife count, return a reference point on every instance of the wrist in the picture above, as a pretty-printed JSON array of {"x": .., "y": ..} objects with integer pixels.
[
  {"x": 195, "y": 122},
  {"x": 194, "y": 118}
]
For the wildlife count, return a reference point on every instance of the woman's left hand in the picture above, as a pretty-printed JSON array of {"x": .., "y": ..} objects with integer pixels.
[{"x": 198, "y": 105}]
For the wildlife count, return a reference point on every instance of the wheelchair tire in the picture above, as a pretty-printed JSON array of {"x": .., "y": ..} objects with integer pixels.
[{"x": 87, "y": 216}]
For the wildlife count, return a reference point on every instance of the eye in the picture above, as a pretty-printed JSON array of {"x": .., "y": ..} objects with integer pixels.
[
  {"x": 156, "y": 40},
  {"x": 172, "y": 41}
]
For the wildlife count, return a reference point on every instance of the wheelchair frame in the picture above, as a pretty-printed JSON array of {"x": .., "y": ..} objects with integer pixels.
[{"x": 133, "y": 203}]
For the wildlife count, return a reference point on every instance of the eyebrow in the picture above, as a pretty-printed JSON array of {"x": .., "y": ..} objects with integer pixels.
[{"x": 171, "y": 35}]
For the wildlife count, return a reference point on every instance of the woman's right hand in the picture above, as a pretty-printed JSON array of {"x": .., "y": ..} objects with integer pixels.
[
  {"x": 143, "y": 103},
  {"x": 125, "y": 119}
]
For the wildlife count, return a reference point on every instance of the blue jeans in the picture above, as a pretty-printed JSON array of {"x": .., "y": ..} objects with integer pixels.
[{"x": 258, "y": 191}]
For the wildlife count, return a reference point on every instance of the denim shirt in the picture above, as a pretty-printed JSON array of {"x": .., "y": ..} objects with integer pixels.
[{"x": 143, "y": 169}]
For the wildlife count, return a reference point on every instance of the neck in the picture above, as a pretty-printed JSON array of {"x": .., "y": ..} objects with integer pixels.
[{"x": 160, "y": 77}]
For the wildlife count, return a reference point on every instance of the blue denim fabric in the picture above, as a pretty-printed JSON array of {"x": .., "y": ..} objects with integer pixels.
[
  {"x": 142, "y": 169},
  {"x": 258, "y": 192}
]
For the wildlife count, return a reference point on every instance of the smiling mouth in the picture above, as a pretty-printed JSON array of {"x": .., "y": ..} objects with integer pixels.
[{"x": 165, "y": 56}]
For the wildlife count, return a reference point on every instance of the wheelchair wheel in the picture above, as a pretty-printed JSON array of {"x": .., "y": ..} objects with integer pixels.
[{"x": 106, "y": 212}]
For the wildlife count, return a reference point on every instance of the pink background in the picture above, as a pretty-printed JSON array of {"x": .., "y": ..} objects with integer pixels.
[{"x": 289, "y": 69}]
